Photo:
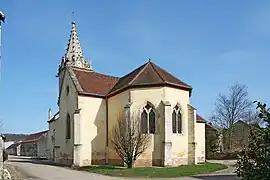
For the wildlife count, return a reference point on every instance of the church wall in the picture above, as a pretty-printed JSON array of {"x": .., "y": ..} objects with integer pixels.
[
  {"x": 67, "y": 105},
  {"x": 93, "y": 135},
  {"x": 49, "y": 149},
  {"x": 155, "y": 153},
  {"x": 200, "y": 140},
  {"x": 116, "y": 106},
  {"x": 179, "y": 141},
  {"x": 139, "y": 98}
]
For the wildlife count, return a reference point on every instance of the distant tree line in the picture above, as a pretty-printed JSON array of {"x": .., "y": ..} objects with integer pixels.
[{"x": 15, "y": 137}]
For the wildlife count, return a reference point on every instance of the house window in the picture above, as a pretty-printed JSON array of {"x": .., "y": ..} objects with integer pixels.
[
  {"x": 177, "y": 120},
  {"x": 68, "y": 127},
  {"x": 148, "y": 120}
]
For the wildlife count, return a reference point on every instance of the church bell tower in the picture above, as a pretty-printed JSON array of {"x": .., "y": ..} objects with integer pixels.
[{"x": 73, "y": 56}]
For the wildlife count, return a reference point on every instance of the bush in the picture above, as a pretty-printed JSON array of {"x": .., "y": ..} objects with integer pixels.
[{"x": 254, "y": 162}]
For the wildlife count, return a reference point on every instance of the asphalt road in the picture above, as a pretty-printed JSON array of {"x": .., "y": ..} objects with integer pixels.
[{"x": 43, "y": 170}]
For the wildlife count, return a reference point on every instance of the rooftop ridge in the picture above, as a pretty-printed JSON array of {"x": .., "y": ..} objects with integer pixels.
[
  {"x": 136, "y": 76},
  {"x": 88, "y": 71},
  {"x": 156, "y": 71}
]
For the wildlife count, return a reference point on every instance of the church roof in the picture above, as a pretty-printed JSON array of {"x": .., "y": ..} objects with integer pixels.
[
  {"x": 94, "y": 83},
  {"x": 149, "y": 74},
  {"x": 54, "y": 118}
]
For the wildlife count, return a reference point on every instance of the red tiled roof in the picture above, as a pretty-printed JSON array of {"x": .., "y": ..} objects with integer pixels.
[
  {"x": 200, "y": 119},
  {"x": 30, "y": 140},
  {"x": 94, "y": 83},
  {"x": 148, "y": 74},
  {"x": 34, "y": 137}
]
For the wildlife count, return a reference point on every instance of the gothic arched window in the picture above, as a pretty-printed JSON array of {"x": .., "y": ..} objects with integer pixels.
[
  {"x": 144, "y": 122},
  {"x": 68, "y": 127},
  {"x": 148, "y": 120},
  {"x": 176, "y": 120}
]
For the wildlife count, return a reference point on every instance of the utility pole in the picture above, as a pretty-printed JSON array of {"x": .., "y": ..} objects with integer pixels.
[{"x": 2, "y": 19}]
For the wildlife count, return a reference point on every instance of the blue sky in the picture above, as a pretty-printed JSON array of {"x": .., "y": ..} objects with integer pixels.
[{"x": 208, "y": 44}]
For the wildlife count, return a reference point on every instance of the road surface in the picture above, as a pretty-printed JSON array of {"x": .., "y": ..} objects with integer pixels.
[{"x": 42, "y": 170}]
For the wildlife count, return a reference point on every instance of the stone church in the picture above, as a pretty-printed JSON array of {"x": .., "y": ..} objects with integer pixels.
[{"x": 90, "y": 103}]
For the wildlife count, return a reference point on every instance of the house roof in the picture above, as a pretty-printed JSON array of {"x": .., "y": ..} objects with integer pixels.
[
  {"x": 34, "y": 137},
  {"x": 94, "y": 83},
  {"x": 149, "y": 74},
  {"x": 14, "y": 145},
  {"x": 200, "y": 119}
]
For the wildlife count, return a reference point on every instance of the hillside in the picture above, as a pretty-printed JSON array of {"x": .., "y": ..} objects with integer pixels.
[{"x": 15, "y": 137}]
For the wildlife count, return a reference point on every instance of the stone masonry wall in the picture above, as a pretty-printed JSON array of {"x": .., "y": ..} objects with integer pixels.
[{"x": 191, "y": 135}]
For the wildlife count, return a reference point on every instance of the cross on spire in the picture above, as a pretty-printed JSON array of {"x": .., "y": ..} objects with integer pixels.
[{"x": 73, "y": 17}]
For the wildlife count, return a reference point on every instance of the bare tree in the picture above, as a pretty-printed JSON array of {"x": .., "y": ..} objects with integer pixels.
[
  {"x": 253, "y": 118},
  {"x": 231, "y": 108},
  {"x": 127, "y": 139}
]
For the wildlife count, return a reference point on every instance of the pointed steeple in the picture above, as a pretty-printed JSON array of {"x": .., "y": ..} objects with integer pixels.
[{"x": 74, "y": 55}]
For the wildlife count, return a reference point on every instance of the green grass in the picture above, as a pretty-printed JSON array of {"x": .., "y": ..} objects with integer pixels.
[{"x": 184, "y": 170}]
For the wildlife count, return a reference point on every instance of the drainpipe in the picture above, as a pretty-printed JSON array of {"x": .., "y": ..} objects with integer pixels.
[{"x": 107, "y": 134}]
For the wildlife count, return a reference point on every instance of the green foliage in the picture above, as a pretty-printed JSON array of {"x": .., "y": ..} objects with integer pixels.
[
  {"x": 254, "y": 162},
  {"x": 15, "y": 137}
]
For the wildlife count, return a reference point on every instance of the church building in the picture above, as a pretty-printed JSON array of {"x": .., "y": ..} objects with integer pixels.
[{"x": 90, "y": 103}]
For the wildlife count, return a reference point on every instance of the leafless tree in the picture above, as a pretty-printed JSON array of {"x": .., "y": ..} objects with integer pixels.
[
  {"x": 253, "y": 118},
  {"x": 127, "y": 139},
  {"x": 231, "y": 108}
]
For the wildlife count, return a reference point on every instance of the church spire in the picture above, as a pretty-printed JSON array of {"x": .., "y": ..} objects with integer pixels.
[{"x": 74, "y": 55}]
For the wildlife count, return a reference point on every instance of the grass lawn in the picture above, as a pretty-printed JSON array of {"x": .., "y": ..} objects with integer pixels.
[{"x": 184, "y": 170}]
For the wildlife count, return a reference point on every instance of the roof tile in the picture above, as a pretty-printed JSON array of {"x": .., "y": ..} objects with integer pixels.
[
  {"x": 200, "y": 119},
  {"x": 148, "y": 74},
  {"x": 95, "y": 83},
  {"x": 35, "y": 136}
]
